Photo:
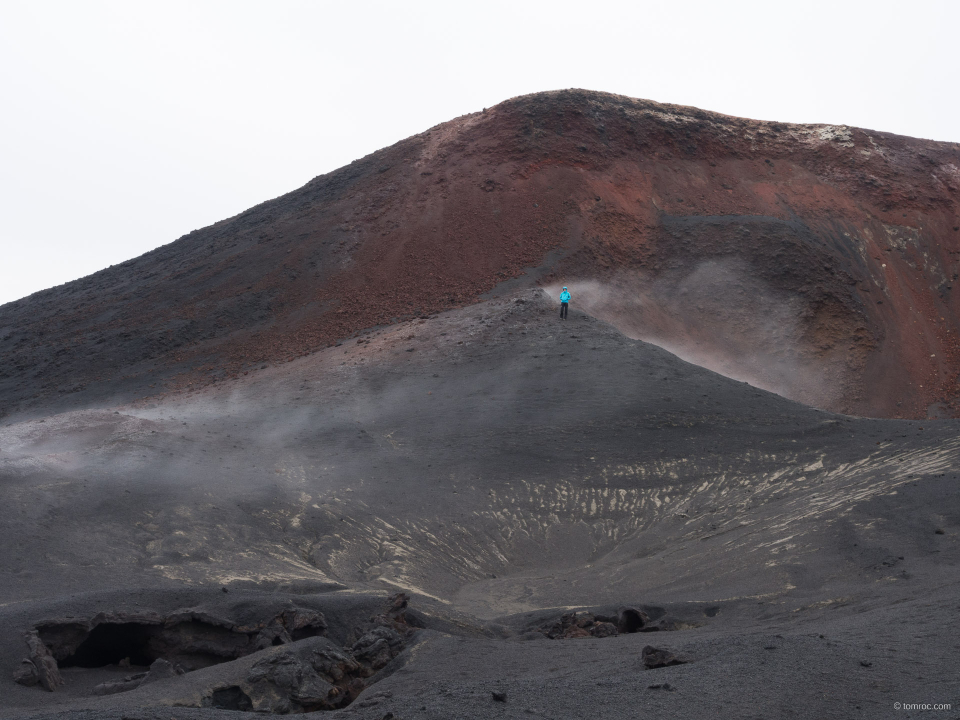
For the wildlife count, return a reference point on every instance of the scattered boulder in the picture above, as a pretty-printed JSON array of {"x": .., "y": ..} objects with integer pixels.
[
  {"x": 276, "y": 680},
  {"x": 342, "y": 671},
  {"x": 316, "y": 674},
  {"x": 378, "y": 647},
  {"x": 26, "y": 674},
  {"x": 660, "y": 657},
  {"x": 603, "y": 629},
  {"x": 627, "y": 620},
  {"x": 579, "y": 625},
  {"x": 306, "y": 676},
  {"x": 586, "y": 624},
  {"x": 161, "y": 670},
  {"x": 301, "y": 623},
  {"x": 128, "y": 683}
]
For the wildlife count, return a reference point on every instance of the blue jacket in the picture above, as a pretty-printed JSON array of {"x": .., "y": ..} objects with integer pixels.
[{"x": 565, "y": 296}]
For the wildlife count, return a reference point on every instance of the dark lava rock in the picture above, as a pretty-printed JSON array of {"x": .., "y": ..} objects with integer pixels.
[
  {"x": 333, "y": 664},
  {"x": 499, "y": 696},
  {"x": 26, "y": 674},
  {"x": 308, "y": 675},
  {"x": 398, "y": 603},
  {"x": 579, "y": 625},
  {"x": 660, "y": 657},
  {"x": 378, "y": 647},
  {"x": 585, "y": 624},
  {"x": 289, "y": 626},
  {"x": 279, "y": 684},
  {"x": 47, "y": 671},
  {"x": 130, "y": 682},
  {"x": 397, "y": 615},
  {"x": 603, "y": 629},
  {"x": 161, "y": 670}
]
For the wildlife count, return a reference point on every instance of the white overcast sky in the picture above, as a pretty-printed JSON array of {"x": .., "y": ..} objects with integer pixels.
[{"x": 124, "y": 125}]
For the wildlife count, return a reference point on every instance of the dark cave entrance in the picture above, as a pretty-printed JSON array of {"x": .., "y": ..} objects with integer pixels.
[
  {"x": 111, "y": 643},
  {"x": 185, "y": 641},
  {"x": 190, "y": 645},
  {"x": 231, "y": 698},
  {"x": 630, "y": 621},
  {"x": 164, "y": 646}
]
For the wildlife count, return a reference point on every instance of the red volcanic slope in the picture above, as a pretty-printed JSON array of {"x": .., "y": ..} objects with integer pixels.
[{"x": 855, "y": 231}]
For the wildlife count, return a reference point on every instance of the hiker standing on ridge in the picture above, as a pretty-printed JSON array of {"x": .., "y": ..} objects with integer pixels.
[{"x": 564, "y": 301}]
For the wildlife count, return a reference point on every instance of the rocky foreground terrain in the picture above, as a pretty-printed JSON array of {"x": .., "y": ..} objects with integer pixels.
[{"x": 358, "y": 467}]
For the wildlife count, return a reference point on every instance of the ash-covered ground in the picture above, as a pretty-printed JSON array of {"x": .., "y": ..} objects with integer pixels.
[{"x": 487, "y": 513}]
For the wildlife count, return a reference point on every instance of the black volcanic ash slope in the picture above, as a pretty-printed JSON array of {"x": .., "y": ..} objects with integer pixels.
[{"x": 501, "y": 466}]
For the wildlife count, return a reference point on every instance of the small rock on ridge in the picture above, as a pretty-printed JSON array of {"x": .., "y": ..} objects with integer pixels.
[{"x": 660, "y": 657}]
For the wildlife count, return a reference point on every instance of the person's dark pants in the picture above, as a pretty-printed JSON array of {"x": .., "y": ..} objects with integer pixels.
[{"x": 563, "y": 311}]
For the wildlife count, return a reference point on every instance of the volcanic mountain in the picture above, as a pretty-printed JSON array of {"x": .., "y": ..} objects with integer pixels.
[
  {"x": 816, "y": 261},
  {"x": 339, "y": 454}
]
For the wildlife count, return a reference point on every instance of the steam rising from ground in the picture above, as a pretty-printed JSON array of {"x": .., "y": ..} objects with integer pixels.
[{"x": 721, "y": 317}]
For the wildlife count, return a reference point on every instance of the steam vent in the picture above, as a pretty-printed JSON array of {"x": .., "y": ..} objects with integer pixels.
[{"x": 340, "y": 455}]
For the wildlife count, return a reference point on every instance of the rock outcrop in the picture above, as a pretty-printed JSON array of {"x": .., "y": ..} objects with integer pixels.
[{"x": 40, "y": 667}]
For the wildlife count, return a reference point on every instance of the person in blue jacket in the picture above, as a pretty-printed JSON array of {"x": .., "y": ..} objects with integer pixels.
[{"x": 564, "y": 301}]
